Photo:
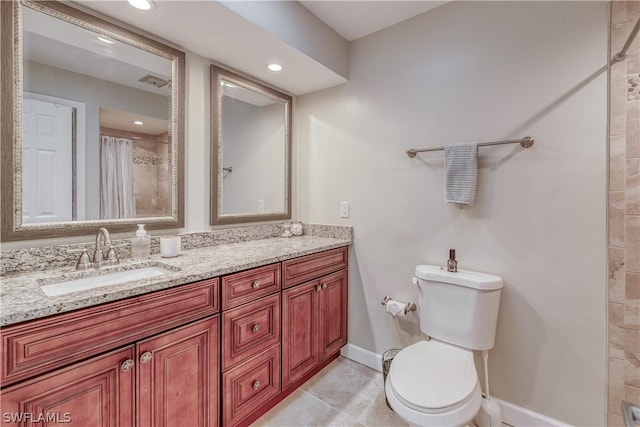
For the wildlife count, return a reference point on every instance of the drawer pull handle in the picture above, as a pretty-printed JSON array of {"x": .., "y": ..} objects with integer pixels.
[
  {"x": 255, "y": 329},
  {"x": 256, "y": 385},
  {"x": 255, "y": 284},
  {"x": 324, "y": 286},
  {"x": 146, "y": 357},
  {"x": 127, "y": 365}
]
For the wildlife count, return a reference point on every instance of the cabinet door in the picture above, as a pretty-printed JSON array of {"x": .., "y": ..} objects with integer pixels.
[
  {"x": 299, "y": 331},
  {"x": 332, "y": 313},
  {"x": 179, "y": 376},
  {"x": 98, "y": 392}
]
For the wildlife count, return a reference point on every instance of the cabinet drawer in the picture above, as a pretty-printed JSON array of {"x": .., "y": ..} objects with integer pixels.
[
  {"x": 250, "y": 385},
  {"x": 247, "y": 286},
  {"x": 250, "y": 329},
  {"x": 38, "y": 346},
  {"x": 299, "y": 270}
]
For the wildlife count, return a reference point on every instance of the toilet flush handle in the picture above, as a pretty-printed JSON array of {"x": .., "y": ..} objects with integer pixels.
[{"x": 415, "y": 281}]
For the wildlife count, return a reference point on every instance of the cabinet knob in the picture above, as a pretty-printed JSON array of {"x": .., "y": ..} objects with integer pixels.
[
  {"x": 318, "y": 287},
  {"x": 256, "y": 385},
  {"x": 255, "y": 329},
  {"x": 127, "y": 365},
  {"x": 255, "y": 284},
  {"x": 324, "y": 286},
  {"x": 146, "y": 357}
]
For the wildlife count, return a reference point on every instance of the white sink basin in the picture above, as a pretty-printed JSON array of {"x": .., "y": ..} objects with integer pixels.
[{"x": 85, "y": 283}]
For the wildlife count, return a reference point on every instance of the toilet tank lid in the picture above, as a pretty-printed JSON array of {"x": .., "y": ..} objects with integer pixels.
[{"x": 471, "y": 279}]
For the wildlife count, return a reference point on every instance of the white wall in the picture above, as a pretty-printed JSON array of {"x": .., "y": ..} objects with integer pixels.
[
  {"x": 477, "y": 71},
  {"x": 197, "y": 143}
]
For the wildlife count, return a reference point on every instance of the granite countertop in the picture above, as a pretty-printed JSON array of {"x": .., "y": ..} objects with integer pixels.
[{"x": 22, "y": 299}]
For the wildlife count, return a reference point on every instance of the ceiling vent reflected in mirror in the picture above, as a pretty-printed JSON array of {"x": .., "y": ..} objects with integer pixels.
[{"x": 154, "y": 81}]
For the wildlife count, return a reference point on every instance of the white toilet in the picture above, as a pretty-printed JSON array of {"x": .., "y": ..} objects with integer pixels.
[{"x": 435, "y": 383}]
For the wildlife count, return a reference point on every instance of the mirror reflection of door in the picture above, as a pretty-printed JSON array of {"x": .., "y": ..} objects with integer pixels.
[{"x": 47, "y": 162}]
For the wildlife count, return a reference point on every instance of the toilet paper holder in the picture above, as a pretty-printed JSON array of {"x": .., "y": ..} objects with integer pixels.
[{"x": 407, "y": 308}]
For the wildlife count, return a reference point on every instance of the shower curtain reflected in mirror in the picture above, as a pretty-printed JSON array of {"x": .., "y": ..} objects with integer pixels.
[{"x": 116, "y": 178}]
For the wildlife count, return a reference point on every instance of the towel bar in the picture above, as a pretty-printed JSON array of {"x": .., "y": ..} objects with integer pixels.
[{"x": 525, "y": 142}]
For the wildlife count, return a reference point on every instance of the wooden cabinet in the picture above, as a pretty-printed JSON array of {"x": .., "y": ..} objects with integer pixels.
[
  {"x": 166, "y": 371},
  {"x": 332, "y": 314},
  {"x": 177, "y": 384},
  {"x": 247, "y": 286},
  {"x": 38, "y": 346},
  {"x": 168, "y": 358},
  {"x": 314, "y": 324},
  {"x": 178, "y": 376},
  {"x": 97, "y": 392},
  {"x": 303, "y": 269},
  {"x": 249, "y": 386},
  {"x": 250, "y": 343},
  {"x": 249, "y": 330},
  {"x": 300, "y": 352}
]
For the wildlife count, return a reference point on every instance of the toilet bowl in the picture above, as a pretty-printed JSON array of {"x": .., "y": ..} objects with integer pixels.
[{"x": 432, "y": 383}]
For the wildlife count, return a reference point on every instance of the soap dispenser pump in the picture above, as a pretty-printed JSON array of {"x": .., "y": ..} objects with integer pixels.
[
  {"x": 141, "y": 244},
  {"x": 452, "y": 264}
]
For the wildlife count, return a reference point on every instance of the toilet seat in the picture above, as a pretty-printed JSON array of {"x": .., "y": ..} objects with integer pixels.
[{"x": 434, "y": 383}]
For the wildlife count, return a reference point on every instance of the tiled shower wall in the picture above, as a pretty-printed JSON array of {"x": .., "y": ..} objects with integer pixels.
[
  {"x": 152, "y": 178},
  {"x": 624, "y": 215}
]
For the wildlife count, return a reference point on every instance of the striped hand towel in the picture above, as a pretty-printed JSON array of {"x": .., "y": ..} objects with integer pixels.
[{"x": 460, "y": 173}]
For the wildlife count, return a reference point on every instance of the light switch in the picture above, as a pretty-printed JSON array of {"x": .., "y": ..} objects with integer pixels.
[{"x": 344, "y": 209}]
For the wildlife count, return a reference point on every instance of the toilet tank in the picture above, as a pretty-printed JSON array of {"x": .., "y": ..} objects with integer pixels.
[{"x": 459, "y": 308}]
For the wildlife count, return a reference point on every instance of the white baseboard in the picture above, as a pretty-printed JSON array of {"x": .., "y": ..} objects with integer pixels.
[
  {"x": 362, "y": 356},
  {"x": 512, "y": 414},
  {"x": 518, "y": 416}
]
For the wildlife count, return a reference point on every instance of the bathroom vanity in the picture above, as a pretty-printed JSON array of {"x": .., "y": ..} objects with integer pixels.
[{"x": 219, "y": 341}]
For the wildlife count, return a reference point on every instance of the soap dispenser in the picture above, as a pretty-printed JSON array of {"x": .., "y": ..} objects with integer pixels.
[
  {"x": 452, "y": 264},
  {"x": 141, "y": 244}
]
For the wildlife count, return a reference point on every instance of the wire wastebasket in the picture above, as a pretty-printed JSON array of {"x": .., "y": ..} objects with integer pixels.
[{"x": 387, "y": 358}]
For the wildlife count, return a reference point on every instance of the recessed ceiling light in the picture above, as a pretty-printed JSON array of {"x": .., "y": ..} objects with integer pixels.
[
  {"x": 138, "y": 122},
  {"x": 141, "y": 4},
  {"x": 274, "y": 67},
  {"x": 105, "y": 40}
]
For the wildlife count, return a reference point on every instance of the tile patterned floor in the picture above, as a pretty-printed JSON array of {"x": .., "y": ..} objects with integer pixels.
[{"x": 345, "y": 393}]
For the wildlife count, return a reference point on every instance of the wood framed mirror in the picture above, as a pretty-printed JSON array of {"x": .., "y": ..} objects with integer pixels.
[
  {"x": 251, "y": 150},
  {"x": 92, "y": 125}
]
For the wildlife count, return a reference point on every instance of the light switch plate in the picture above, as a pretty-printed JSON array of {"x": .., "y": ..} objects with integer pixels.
[{"x": 344, "y": 209}]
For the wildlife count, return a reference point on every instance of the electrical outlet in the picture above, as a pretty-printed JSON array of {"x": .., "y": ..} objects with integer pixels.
[
  {"x": 344, "y": 209},
  {"x": 260, "y": 206}
]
